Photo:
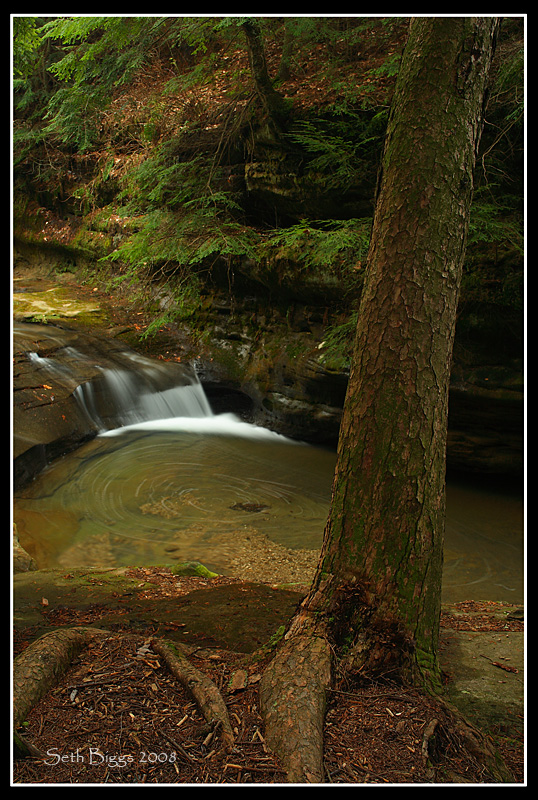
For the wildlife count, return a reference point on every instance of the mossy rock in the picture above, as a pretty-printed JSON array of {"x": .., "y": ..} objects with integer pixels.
[{"x": 194, "y": 568}]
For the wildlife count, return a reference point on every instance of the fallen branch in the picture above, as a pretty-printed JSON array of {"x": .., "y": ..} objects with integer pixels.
[
  {"x": 506, "y": 667},
  {"x": 202, "y": 688}
]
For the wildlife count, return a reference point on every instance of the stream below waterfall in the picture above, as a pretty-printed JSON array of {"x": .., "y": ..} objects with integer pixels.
[{"x": 172, "y": 481}]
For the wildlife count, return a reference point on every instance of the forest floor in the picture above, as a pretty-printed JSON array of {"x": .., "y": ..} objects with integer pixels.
[{"x": 119, "y": 716}]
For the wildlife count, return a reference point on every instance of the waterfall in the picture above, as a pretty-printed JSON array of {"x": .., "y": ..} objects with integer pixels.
[
  {"x": 124, "y": 400},
  {"x": 130, "y": 402},
  {"x": 121, "y": 391}
]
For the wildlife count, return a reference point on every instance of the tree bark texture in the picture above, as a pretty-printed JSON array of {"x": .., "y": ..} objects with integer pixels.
[
  {"x": 272, "y": 102},
  {"x": 376, "y": 595},
  {"x": 38, "y": 668},
  {"x": 292, "y": 700},
  {"x": 381, "y": 561}
]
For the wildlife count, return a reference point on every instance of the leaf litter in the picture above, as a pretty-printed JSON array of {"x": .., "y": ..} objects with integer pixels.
[{"x": 119, "y": 716}]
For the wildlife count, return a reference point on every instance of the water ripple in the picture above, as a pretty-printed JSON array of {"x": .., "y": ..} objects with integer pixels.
[{"x": 153, "y": 497}]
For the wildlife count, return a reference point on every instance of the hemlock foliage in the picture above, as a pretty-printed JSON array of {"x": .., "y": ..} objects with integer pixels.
[{"x": 154, "y": 121}]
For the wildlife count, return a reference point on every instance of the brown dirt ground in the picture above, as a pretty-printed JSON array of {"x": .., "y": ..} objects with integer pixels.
[{"x": 119, "y": 716}]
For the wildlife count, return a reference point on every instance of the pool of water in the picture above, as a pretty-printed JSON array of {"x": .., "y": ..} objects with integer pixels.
[{"x": 152, "y": 495}]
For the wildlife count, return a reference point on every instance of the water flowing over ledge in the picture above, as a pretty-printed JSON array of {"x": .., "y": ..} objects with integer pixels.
[
  {"x": 139, "y": 405},
  {"x": 162, "y": 478},
  {"x": 138, "y": 393}
]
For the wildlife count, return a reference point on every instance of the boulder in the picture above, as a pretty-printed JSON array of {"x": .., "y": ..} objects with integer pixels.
[{"x": 22, "y": 561}]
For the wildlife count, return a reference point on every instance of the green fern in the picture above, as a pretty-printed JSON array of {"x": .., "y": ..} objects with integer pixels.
[
  {"x": 338, "y": 246},
  {"x": 494, "y": 222},
  {"x": 337, "y": 346},
  {"x": 341, "y": 149}
]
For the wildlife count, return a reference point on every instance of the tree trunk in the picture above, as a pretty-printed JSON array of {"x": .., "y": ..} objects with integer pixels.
[
  {"x": 287, "y": 53},
  {"x": 376, "y": 595},
  {"x": 271, "y": 101}
]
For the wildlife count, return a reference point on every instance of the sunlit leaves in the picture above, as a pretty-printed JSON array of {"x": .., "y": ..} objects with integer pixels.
[{"x": 26, "y": 40}]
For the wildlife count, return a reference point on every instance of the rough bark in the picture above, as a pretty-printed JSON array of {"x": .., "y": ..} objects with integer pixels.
[
  {"x": 271, "y": 101},
  {"x": 377, "y": 589},
  {"x": 38, "y": 668},
  {"x": 293, "y": 699},
  {"x": 382, "y": 556}
]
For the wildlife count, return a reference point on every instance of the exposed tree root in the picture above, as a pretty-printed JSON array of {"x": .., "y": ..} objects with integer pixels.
[
  {"x": 474, "y": 742},
  {"x": 38, "y": 668},
  {"x": 202, "y": 688},
  {"x": 293, "y": 700},
  {"x": 292, "y": 697}
]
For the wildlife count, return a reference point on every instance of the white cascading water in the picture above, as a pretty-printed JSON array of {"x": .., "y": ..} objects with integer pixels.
[
  {"x": 169, "y": 492},
  {"x": 134, "y": 400},
  {"x": 132, "y": 403},
  {"x": 180, "y": 408}
]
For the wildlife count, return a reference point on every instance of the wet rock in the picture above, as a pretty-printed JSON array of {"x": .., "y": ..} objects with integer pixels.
[
  {"x": 22, "y": 561},
  {"x": 51, "y": 369},
  {"x": 485, "y": 424},
  {"x": 278, "y": 187},
  {"x": 275, "y": 360}
]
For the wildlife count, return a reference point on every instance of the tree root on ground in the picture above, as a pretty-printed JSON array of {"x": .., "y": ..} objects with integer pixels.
[
  {"x": 38, "y": 669},
  {"x": 292, "y": 694},
  {"x": 459, "y": 729},
  {"x": 205, "y": 693},
  {"x": 292, "y": 697}
]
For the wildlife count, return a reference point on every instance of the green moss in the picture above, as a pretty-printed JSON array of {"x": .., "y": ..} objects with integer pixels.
[
  {"x": 194, "y": 568},
  {"x": 428, "y": 673},
  {"x": 271, "y": 644}
]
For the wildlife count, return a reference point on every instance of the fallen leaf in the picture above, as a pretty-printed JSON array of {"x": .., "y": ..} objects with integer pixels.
[{"x": 239, "y": 680}]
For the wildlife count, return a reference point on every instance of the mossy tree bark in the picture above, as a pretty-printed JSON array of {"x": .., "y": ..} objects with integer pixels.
[{"x": 376, "y": 596}]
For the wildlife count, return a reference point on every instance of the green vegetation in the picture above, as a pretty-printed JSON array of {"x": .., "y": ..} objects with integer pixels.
[{"x": 148, "y": 143}]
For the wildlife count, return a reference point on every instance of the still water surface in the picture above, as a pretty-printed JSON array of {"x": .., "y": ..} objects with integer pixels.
[{"x": 154, "y": 494}]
